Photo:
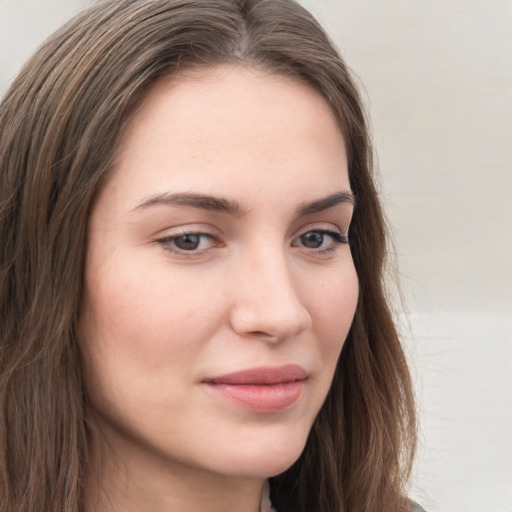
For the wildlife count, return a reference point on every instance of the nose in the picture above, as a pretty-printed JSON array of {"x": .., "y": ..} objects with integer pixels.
[{"x": 266, "y": 301}]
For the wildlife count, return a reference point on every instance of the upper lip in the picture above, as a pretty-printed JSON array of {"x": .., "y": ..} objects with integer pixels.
[{"x": 262, "y": 375}]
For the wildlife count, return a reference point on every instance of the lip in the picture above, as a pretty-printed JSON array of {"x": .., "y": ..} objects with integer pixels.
[{"x": 263, "y": 389}]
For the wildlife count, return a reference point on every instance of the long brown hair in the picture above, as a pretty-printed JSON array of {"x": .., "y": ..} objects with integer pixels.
[{"x": 59, "y": 124}]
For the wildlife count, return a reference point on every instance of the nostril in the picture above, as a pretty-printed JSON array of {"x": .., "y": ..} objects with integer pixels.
[{"x": 263, "y": 335}]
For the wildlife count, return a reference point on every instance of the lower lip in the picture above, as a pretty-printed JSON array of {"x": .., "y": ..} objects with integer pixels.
[{"x": 261, "y": 398}]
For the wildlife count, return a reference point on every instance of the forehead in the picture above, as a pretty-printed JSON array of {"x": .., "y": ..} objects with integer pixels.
[{"x": 222, "y": 125}]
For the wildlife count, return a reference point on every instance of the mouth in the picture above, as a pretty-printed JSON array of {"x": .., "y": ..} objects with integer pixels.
[{"x": 262, "y": 390}]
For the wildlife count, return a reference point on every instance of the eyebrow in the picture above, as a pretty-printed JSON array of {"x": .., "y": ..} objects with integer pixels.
[
  {"x": 232, "y": 207},
  {"x": 199, "y": 201},
  {"x": 344, "y": 196}
]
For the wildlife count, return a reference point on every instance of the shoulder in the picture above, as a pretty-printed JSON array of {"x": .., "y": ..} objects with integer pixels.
[{"x": 416, "y": 508}]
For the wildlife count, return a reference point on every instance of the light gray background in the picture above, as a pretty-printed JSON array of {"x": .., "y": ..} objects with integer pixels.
[{"x": 438, "y": 85}]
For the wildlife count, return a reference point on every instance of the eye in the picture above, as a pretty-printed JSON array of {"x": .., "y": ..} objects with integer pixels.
[
  {"x": 321, "y": 239},
  {"x": 187, "y": 243}
]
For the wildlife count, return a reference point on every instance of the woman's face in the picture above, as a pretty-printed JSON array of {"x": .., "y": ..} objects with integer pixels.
[{"x": 219, "y": 287}]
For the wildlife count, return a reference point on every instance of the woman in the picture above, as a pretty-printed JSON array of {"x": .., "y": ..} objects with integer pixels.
[{"x": 186, "y": 318}]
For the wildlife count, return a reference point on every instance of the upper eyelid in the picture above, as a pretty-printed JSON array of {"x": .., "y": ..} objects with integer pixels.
[
  {"x": 186, "y": 229},
  {"x": 320, "y": 226},
  {"x": 172, "y": 236},
  {"x": 201, "y": 231},
  {"x": 212, "y": 232},
  {"x": 199, "y": 225},
  {"x": 326, "y": 231}
]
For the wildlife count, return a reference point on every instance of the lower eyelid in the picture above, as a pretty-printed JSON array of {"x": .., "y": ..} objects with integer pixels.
[{"x": 336, "y": 238}]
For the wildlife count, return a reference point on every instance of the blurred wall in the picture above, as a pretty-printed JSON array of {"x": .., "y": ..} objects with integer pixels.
[{"x": 437, "y": 80}]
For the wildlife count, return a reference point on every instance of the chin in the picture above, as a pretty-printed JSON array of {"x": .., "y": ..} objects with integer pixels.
[{"x": 265, "y": 459}]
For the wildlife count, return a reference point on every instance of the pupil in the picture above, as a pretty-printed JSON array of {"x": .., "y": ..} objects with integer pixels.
[
  {"x": 187, "y": 242},
  {"x": 313, "y": 240}
]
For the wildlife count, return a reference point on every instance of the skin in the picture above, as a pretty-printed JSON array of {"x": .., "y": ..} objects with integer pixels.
[{"x": 160, "y": 315}]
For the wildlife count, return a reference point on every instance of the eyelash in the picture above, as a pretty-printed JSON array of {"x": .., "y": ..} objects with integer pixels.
[
  {"x": 337, "y": 238},
  {"x": 168, "y": 243}
]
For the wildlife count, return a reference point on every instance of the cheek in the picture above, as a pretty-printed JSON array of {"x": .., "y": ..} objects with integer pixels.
[
  {"x": 136, "y": 321},
  {"x": 334, "y": 305}
]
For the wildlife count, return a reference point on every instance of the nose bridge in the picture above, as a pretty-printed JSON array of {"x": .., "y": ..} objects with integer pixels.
[{"x": 268, "y": 300}]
